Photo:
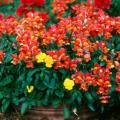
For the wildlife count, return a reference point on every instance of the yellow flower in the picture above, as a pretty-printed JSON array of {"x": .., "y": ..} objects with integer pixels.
[
  {"x": 40, "y": 57},
  {"x": 49, "y": 61},
  {"x": 69, "y": 84},
  {"x": 30, "y": 88}
]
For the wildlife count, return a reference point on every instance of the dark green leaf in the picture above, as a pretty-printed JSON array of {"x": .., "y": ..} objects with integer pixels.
[
  {"x": 1, "y": 95},
  {"x": 56, "y": 102},
  {"x": 91, "y": 106},
  {"x": 24, "y": 107},
  {"x": 59, "y": 93},
  {"x": 66, "y": 112},
  {"x": 6, "y": 80},
  {"x": 5, "y": 104}
]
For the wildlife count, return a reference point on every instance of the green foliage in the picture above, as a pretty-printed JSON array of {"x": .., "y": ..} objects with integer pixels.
[{"x": 114, "y": 8}]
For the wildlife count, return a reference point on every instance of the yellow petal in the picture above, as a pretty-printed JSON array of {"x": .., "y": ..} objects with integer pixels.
[{"x": 30, "y": 88}]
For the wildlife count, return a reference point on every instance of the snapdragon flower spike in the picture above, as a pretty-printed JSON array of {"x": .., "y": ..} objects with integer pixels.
[
  {"x": 60, "y": 6},
  {"x": 102, "y": 76},
  {"x": 28, "y": 31}
]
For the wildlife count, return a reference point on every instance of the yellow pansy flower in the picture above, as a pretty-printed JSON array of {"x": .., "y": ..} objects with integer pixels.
[
  {"x": 40, "y": 57},
  {"x": 69, "y": 84},
  {"x": 30, "y": 88},
  {"x": 49, "y": 61}
]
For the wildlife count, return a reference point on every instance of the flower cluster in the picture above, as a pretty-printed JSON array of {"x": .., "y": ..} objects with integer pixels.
[
  {"x": 61, "y": 60},
  {"x": 8, "y": 25},
  {"x": 60, "y": 6},
  {"x": 80, "y": 44}
]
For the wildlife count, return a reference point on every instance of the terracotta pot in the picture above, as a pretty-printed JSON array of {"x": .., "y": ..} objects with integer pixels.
[
  {"x": 49, "y": 113},
  {"x": 44, "y": 113}
]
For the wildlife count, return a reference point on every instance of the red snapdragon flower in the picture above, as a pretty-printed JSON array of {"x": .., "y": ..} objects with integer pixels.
[
  {"x": 102, "y": 4},
  {"x": 20, "y": 11},
  {"x": 27, "y": 2},
  {"x": 1, "y": 16},
  {"x": 32, "y": 2},
  {"x": 39, "y": 2}
]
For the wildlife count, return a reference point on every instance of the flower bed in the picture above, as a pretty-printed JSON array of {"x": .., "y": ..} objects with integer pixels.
[{"x": 60, "y": 52}]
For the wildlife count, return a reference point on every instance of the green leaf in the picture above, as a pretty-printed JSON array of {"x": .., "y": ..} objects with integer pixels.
[
  {"x": 66, "y": 112},
  {"x": 1, "y": 95},
  {"x": 5, "y": 104},
  {"x": 21, "y": 77},
  {"x": 91, "y": 106},
  {"x": 6, "y": 80},
  {"x": 59, "y": 93},
  {"x": 7, "y": 58},
  {"x": 56, "y": 102},
  {"x": 24, "y": 107},
  {"x": 30, "y": 74},
  {"x": 79, "y": 97},
  {"x": 103, "y": 63},
  {"x": 102, "y": 109},
  {"x": 89, "y": 97},
  {"x": 15, "y": 101},
  {"x": 50, "y": 83}
]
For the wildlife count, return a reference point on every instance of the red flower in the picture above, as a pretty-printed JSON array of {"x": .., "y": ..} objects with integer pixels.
[
  {"x": 15, "y": 59},
  {"x": 39, "y": 2},
  {"x": 10, "y": 17},
  {"x": 2, "y": 54},
  {"x": 32, "y": 2},
  {"x": 27, "y": 2},
  {"x": 118, "y": 88},
  {"x": 1, "y": 16},
  {"x": 102, "y": 4},
  {"x": 20, "y": 11},
  {"x": 27, "y": 12},
  {"x": 87, "y": 57},
  {"x": 104, "y": 99}
]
